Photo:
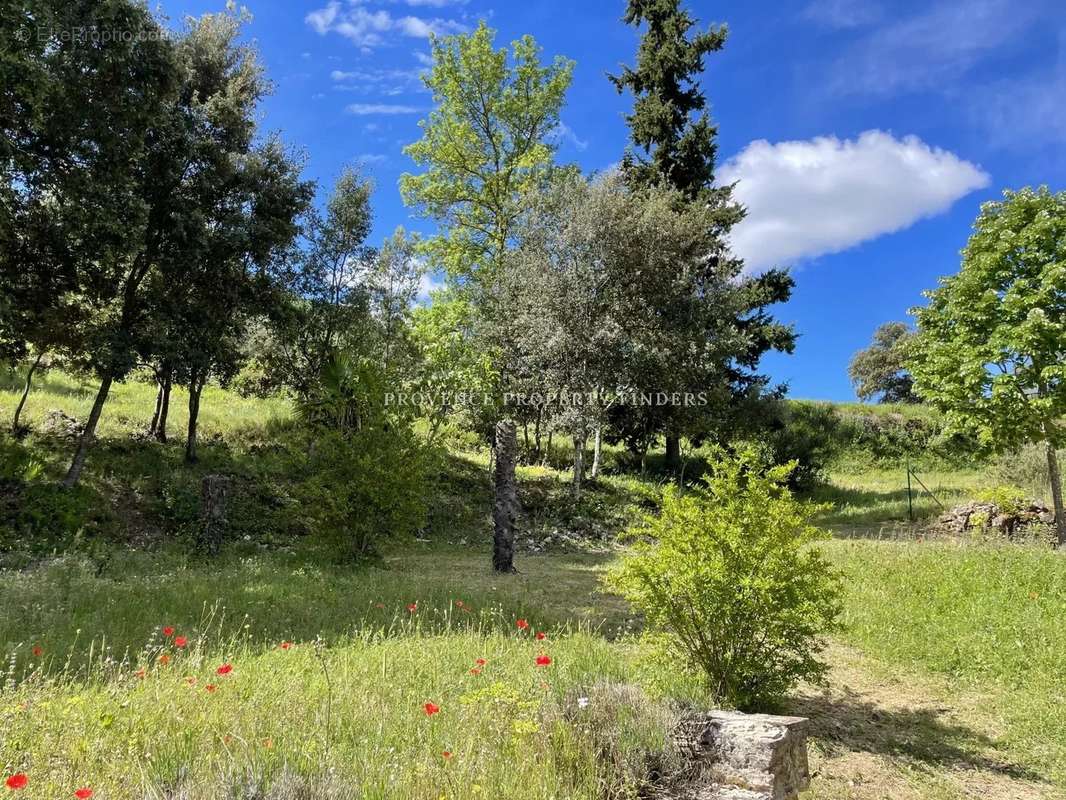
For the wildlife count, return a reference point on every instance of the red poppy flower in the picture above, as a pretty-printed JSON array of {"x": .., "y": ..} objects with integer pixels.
[
  {"x": 268, "y": 744},
  {"x": 447, "y": 754},
  {"x": 84, "y": 793},
  {"x": 210, "y": 687},
  {"x": 140, "y": 673},
  {"x": 17, "y": 781},
  {"x": 522, "y": 624},
  {"x": 543, "y": 661},
  {"x": 37, "y": 651},
  {"x": 431, "y": 709},
  {"x": 225, "y": 669},
  {"x": 164, "y": 659},
  {"x": 458, "y": 603},
  {"x": 412, "y": 607},
  {"x": 180, "y": 641},
  {"x": 481, "y": 662},
  {"x": 541, "y": 635},
  {"x": 285, "y": 645},
  {"x": 168, "y": 631},
  {"x": 379, "y": 605},
  {"x": 475, "y": 671}
]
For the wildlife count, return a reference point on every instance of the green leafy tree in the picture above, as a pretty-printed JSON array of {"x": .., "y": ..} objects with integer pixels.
[
  {"x": 728, "y": 582},
  {"x": 483, "y": 147},
  {"x": 327, "y": 301},
  {"x": 672, "y": 127},
  {"x": 198, "y": 135},
  {"x": 73, "y": 109},
  {"x": 880, "y": 370},
  {"x": 992, "y": 340}
]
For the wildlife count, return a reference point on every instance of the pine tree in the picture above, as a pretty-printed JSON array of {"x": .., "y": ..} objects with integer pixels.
[
  {"x": 670, "y": 120},
  {"x": 670, "y": 123}
]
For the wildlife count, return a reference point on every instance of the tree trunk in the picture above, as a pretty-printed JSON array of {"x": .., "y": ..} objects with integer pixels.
[
  {"x": 597, "y": 447},
  {"x": 536, "y": 435},
  {"x": 505, "y": 508},
  {"x": 673, "y": 453},
  {"x": 1056, "y": 492},
  {"x": 164, "y": 410},
  {"x": 158, "y": 405},
  {"x": 580, "y": 440},
  {"x": 196, "y": 386},
  {"x": 25, "y": 393},
  {"x": 548, "y": 450},
  {"x": 87, "y": 435}
]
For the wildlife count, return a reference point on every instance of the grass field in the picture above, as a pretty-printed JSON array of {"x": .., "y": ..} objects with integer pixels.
[{"x": 946, "y": 682}]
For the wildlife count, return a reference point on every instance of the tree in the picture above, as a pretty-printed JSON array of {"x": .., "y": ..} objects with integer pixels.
[
  {"x": 73, "y": 109},
  {"x": 327, "y": 303},
  {"x": 881, "y": 368},
  {"x": 483, "y": 147},
  {"x": 671, "y": 126},
  {"x": 991, "y": 344}
]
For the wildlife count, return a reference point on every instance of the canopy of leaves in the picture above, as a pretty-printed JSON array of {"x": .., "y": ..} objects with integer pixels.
[
  {"x": 991, "y": 345},
  {"x": 880, "y": 370}
]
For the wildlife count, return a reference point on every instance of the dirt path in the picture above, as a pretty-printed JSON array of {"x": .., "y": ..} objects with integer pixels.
[{"x": 879, "y": 735}]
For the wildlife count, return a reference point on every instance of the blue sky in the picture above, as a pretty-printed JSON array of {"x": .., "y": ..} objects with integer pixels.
[{"x": 863, "y": 134}]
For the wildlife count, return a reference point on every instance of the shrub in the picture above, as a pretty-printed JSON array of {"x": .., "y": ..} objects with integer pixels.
[
  {"x": 365, "y": 487},
  {"x": 727, "y": 581},
  {"x": 1008, "y": 499}
]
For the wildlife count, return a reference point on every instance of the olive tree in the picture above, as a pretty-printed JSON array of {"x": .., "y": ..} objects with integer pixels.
[{"x": 991, "y": 344}]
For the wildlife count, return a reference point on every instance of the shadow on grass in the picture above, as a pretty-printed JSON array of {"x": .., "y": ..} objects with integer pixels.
[{"x": 921, "y": 736}]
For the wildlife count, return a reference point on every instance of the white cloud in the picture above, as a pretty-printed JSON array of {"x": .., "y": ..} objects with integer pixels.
[
  {"x": 372, "y": 158},
  {"x": 566, "y": 133},
  {"x": 823, "y": 195},
  {"x": 367, "y": 109},
  {"x": 367, "y": 29},
  {"x": 842, "y": 14},
  {"x": 425, "y": 59},
  {"x": 429, "y": 283},
  {"x": 939, "y": 45},
  {"x": 321, "y": 19}
]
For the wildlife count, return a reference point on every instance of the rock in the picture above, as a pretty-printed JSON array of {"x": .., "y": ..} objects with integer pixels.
[
  {"x": 749, "y": 756},
  {"x": 56, "y": 423},
  {"x": 977, "y": 515}
]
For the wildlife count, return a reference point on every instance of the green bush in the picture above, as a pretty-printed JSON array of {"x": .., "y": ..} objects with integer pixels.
[
  {"x": 365, "y": 487},
  {"x": 1008, "y": 499},
  {"x": 727, "y": 581}
]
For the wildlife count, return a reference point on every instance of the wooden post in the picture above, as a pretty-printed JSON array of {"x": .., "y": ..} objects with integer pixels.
[{"x": 213, "y": 492}]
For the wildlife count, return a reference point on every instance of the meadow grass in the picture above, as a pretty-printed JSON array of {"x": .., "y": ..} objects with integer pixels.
[
  {"x": 873, "y": 496},
  {"x": 987, "y": 617},
  {"x": 97, "y": 694},
  {"x": 982, "y": 617},
  {"x": 130, "y": 405}
]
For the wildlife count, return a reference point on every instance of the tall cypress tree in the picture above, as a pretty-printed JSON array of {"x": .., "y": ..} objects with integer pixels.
[
  {"x": 671, "y": 125},
  {"x": 670, "y": 122}
]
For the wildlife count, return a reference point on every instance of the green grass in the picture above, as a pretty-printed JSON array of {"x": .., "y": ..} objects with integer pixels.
[
  {"x": 130, "y": 405},
  {"x": 988, "y": 618},
  {"x": 972, "y": 629},
  {"x": 342, "y": 710},
  {"x": 876, "y": 496}
]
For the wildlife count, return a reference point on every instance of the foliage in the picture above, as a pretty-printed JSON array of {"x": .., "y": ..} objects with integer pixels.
[
  {"x": 1008, "y": 499},
  {"x": 728, "y": 582},
  {"x": 880, "y": 370},
  {"x": 806, "y": 434},
  {"x": 704, "y": 346},
  {"x": 483, "y": 145},
  {"x": 368, "y": 474},
  {"x": 989, "y": 345},
  {"x": 326, "y": 303}
]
